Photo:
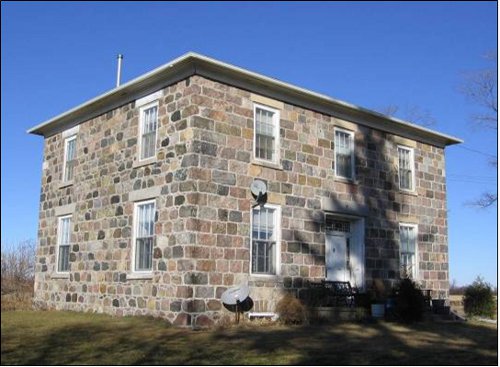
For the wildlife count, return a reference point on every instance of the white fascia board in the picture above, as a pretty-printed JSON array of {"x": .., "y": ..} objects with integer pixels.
[
  {"x": 218, "y": 70},
  {"x": 115, "y": 91}
]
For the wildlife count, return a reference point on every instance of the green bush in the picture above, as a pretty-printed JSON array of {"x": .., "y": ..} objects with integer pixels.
[
  {"x": 291, "y": 310},
  {"x": 410, "y": 304},
  {"x": 478, "y": 299}
]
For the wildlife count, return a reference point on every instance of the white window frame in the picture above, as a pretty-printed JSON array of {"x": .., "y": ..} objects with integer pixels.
[
  {"x": 412, "y": 165},
  {"x": 142, "y": 109},
  {"x": 415, "y": 273},
  {"x": 66, "y": 143},
  {"x": 277, "y": 257},
  {"x": 351, "y": 136},
  {"x": 59, "y": 221},
  {"x": 134, "y": 236},
  {"x": 276, "y": 123}
]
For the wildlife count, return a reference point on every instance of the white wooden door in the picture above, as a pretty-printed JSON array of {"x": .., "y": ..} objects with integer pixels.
[{"x": 336, "y": 258}]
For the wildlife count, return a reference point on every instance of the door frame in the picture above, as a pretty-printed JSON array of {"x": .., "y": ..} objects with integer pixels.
[{"x": 357, "y": 238}]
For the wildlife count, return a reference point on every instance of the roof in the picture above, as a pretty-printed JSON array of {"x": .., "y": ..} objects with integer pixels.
[{"x": 196, "y": 64}]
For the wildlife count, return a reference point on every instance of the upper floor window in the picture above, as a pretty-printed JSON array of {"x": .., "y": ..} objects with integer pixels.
[
  {"x": 63, "y": 243},
  {"x": 344, "y": 154},
  {"x": 148, "y": 126},
  {"x": 265, "y": 239},
  {"x": 406, "y": 171},
  {"x": 266, "y": 133},
  {"x": 144, "y": 235},
  {"x": 69, "y": 158},
  {"x": 408, "y": 250}
]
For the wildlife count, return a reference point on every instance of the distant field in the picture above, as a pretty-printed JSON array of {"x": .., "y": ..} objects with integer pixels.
[
  {"x": 457, "y": 304},
  {"x": 50, "y": 337}
]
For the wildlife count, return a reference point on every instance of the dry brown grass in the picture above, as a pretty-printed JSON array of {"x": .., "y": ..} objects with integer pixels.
[{"x": 17, "y": 301}]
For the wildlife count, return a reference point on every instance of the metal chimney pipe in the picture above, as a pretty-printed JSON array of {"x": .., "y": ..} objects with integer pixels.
[{"x": 119, "y": 71}]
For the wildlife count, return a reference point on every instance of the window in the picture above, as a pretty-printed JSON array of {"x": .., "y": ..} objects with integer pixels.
[
  {"x": 69, "y": 158},
  {"x": 406, "y": 176},
  {"x": 266, "y": 133},
  {"x": 265, "y": 240},
  {"x": 63, "y": 242},
  {"x": 344, "y": 154},
  {"x": 144, "y": 235},
  {"x": 408, "y": 248},
  {"x": 148, "y": 125},
  {"x": 337, "y": 225}
]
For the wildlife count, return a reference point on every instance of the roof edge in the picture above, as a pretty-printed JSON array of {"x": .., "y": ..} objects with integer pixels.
[{"x": 194, "y": 63}]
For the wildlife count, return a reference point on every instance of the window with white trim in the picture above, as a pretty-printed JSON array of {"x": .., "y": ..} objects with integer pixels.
[
  {"x": 344, "y": 154},
  {"x": 144, "y": 235},
  {"x": 265, "y": 239},
  {"x": 69, "y": 158},
  {"x": 148, "y": 127},
  {"x": 406, "y": 170},
  {"x": 266, "y": 133},
  {"x": 408, "y": 250},
  {"x": 63, "y": 243}
]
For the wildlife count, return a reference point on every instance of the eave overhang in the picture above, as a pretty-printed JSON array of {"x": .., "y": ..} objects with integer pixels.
[{"x": 196, "y": 64}]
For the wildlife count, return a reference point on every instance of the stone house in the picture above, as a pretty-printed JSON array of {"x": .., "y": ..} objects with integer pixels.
[{"x": 145, "y": 204}]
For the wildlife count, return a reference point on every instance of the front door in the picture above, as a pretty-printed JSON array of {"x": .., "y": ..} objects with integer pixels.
[{"x": 337, "y": 257}]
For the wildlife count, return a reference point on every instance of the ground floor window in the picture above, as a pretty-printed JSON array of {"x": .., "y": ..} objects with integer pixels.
[
  {"x": 265, "y": 229},
  {"x": 63, "y": 243},
  {"x": 408, "y": 250},
  {"x": 144, "y": 235}
]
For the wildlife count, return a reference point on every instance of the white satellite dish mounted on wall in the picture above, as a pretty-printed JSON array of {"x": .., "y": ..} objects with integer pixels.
[
  {"x": 236, "y": 300},
  {"x": 259, "y": 191}
]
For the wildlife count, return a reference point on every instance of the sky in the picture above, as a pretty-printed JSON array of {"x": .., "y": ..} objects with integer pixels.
[{"x": 57, "y": 55}]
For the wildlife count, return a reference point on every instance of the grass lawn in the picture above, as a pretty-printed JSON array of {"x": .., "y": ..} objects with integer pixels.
[{"x": 51, "y": 337}]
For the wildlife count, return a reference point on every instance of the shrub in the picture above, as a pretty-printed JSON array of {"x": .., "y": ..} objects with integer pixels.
[
  {"x": 409, "y": 301},
  {"x": 18, "y": 262},
  {"x": 291, "y": 310},
  {"x": 478, "y": 299}
]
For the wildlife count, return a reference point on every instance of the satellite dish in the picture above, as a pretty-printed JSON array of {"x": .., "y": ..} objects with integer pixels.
[
  {"x": 235, "y": 294},
  {"x": 236, "y": 300},
  {"x": 258, "y": 188},
  {"x": 259, "y": 191}
]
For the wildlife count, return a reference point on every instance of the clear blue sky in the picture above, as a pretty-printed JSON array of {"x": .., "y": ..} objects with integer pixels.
[{"x": 57, "y": 55}]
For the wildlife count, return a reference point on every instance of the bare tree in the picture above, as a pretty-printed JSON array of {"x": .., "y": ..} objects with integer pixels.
[
  {"x": 18, "y": 263},
  {"x": 481, "y": 88},
  {"x": 413, "y": 114}
]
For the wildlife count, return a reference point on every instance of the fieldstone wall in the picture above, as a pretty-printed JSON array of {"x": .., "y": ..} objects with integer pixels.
[{"x": 202, "y": 174}]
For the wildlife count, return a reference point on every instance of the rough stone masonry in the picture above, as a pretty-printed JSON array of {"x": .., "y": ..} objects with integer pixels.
[{"x": 200, "y": 179}]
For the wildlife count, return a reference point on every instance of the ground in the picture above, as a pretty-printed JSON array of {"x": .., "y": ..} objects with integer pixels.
[{"x": 52, "y": 337}]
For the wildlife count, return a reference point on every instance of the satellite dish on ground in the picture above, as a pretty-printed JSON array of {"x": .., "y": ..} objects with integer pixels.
[
  {"x": 236, "y": 300},
  {"x": 235, "y": 294},
  {"x": 259, "y": 191}
]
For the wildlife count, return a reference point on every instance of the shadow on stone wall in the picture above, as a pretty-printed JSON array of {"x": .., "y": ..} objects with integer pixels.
[{"x": 373, "y": 198}]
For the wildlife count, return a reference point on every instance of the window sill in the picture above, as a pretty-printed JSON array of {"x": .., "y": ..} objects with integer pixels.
[
  {"x": 145, "y": 162},
  {"x": 140, "y": 276},
  {"x": 272, "y": 165},
  {"x": 265, "y": 277},
  {"x": 346, "y": 180},
  {"x": 62, "y": 185},
  {"x": 406, "y": 192},
  {"x": 59, "y": 276}
]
